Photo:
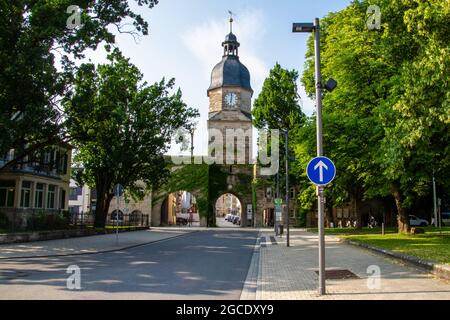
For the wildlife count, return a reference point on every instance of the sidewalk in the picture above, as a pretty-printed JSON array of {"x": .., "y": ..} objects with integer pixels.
[
  {"x": 289, "y": 273},
  {"x": 90, "y": 245}
]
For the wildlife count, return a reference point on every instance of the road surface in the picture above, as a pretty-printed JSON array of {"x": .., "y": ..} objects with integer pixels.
[{"x": 207, "y": 265}]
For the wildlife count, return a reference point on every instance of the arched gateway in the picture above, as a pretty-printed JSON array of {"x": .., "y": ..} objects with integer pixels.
[
  {"x": 230, "y": 139},
  {"x": 230, "y": 146}
]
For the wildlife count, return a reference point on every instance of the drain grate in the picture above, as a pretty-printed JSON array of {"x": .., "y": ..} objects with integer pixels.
[{"x": 339, "y": 274}]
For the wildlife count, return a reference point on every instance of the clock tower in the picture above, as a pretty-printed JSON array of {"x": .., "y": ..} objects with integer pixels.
[{"x": 230, "y": 97}]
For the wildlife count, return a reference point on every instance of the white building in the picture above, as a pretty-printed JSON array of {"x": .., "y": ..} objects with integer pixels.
[{"x": 79, "y": 198}]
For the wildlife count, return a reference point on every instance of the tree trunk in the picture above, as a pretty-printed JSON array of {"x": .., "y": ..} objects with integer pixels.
[
  {"x": 402, "y": 212},
  {"x": 358, "y": 200},
  {"x": 103, "y": 201}
]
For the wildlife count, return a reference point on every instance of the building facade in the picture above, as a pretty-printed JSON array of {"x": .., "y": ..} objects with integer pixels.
[{"x": 39, "y": 183}]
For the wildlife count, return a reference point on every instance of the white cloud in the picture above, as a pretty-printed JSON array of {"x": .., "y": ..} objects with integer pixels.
[{"x": 204, "y": 42}]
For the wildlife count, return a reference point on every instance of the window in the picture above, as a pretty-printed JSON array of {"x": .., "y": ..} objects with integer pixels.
[
  {"x": 51, "y": 197},
  {"x": 62, "y": 199},
  {"x": 346, "y": 213},
  {"x": 39, "y": 196},
  {"x": 62, "y": 159},
  {"x": 7, "y": 192},
  {"x": 25, "y": 194},
  {"x": 75, "y": 192},
  {"x": 292, "y": 193}
]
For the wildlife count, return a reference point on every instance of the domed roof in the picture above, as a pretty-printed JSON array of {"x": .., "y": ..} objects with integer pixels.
[
  {"x": 230, "y": 72},
  {"x": 230, "y": 37}
]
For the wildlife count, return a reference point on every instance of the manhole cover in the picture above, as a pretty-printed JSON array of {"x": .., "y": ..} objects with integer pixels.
[
  {"x": 11, "y": 274},
  {"x": 341, "y": 274}
]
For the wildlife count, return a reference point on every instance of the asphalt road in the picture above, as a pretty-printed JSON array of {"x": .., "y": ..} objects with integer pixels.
[{"x": 203, "y": 265}]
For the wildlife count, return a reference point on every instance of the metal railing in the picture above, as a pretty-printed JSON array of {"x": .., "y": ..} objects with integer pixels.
[{"x": 20, "y": 220}]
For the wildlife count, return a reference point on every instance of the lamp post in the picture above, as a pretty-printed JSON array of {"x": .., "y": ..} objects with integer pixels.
[
  {"x": 330, "y": 86},
  {"x": 191, "y": 127},
  {"x": 286, "y": 135}
]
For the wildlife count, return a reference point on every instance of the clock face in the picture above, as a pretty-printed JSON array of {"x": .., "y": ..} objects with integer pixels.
[{"x": 231, "y": 100}]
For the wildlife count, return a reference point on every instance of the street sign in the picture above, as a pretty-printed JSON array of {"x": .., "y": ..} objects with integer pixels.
[
  {"x": 321, "y": 171},
  {"x": 278, "y": 209},
  {"x": 249, "y": 212}
]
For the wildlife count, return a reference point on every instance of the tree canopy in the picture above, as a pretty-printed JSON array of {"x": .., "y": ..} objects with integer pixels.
[
  {"x": 386, "y": 125},
  {"x": 122, "y": 127},
  {"x": 35, "y": 37}
]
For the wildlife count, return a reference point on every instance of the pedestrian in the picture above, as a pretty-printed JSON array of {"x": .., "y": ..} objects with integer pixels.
[{"x": 191, "y": 217}]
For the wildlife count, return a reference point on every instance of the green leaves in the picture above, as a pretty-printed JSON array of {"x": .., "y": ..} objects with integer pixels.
[
  {"x": 387, "y": 122},
  {"x": 122, "y": 126},
  {"x": 33, "y": 35},
  {"x": 278, "y": 105}
]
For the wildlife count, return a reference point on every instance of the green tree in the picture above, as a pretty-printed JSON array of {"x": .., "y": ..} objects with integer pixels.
[
  {"x": 278, "y": 106},
  {"x": 33, "y": 36},
  {"x": 122, "y": 127},
  {"x": 387, "y": 123}
]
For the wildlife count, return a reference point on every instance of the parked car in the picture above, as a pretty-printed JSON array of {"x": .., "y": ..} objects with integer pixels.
[
  {"x": 236, "y": 220},
  {"x": 227, "y": 217},
  {"x": 445, "y": 219},
  {"x": 417, "y": 222}
]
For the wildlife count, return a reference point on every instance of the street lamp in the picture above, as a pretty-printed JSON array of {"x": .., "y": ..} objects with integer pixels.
[
  {"x": 330, "y": 85},
  {"x": 191, "y": 127}
]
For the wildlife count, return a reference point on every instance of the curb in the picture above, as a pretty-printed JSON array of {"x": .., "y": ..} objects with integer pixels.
[
  {"x": 37, "y": 236},
  {"x": 98, "y": 252},
  {"x": 439, "y": 270},
  {"x": 250, "y": 288}
]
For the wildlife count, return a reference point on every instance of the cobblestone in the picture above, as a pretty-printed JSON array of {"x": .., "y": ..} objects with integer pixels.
[{"x": 290, "y": 273}]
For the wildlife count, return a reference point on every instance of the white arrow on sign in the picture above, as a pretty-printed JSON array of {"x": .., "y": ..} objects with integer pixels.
[{"x": 321, "y": 166}]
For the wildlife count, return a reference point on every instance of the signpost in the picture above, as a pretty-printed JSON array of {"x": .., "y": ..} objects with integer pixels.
[
  {"x": 278, "y": 213},
  {"x": 249, "y": 213},
  {"x": 321, "y": 171},
  {"x": 118, "y": 190}
]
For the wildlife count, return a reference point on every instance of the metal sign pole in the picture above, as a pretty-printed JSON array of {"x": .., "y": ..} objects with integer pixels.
[
  {"x": 320, "y": 193},
  {"x": 117, "y": 215},
  {"x": 287, "y": 188}
]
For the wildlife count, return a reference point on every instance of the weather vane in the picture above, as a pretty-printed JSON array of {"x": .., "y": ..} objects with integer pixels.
[{"x": 231, "y": 20}]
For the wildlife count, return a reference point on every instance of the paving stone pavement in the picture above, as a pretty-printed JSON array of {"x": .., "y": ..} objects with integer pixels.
[{"x": 289, "y": 273}]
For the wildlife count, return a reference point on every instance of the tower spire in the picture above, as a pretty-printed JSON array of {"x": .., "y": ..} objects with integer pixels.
[{"x": 231, "y": 21}]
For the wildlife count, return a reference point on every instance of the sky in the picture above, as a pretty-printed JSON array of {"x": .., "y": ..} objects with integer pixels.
[{"x": 185, "y": 38}]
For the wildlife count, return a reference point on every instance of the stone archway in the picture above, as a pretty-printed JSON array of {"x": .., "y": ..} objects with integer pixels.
[{"x": 229, "y": 206}]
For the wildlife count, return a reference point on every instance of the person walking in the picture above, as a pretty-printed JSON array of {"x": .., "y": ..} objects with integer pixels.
[{"x": 191, "y": 217}]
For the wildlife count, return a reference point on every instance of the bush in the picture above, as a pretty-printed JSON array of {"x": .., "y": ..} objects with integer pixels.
[
  {"x": 301, "y": 218},
  {"x": 48, "y": 221},
  {"x": 4, "y": 221}
]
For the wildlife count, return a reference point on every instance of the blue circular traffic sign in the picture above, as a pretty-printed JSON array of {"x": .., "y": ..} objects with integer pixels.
[{"x": 321, "y": 171}]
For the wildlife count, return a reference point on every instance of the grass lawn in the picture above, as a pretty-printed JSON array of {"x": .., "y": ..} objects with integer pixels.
[
  {"x": 344, "y": 231},
  {"x": 430, "y": 246},
  {"x": 434, "y": 245}
]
